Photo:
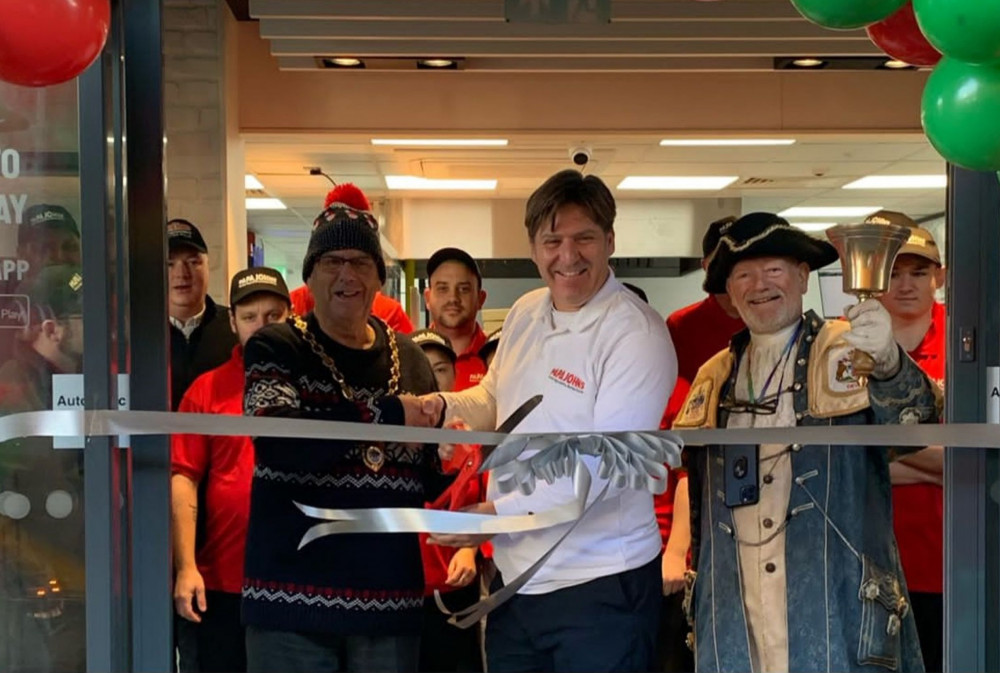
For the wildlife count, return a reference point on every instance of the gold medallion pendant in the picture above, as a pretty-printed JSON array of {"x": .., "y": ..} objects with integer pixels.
[{"x": 374, "y": 458}]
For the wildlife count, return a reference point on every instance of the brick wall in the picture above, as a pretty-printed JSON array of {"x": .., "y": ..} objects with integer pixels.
[{"x": 194, "y": 70}]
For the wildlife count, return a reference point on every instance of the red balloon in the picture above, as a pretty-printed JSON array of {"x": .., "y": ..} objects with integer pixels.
[
  {"x": 45, "y": 42},
  {"x": 900, "y": 37}
]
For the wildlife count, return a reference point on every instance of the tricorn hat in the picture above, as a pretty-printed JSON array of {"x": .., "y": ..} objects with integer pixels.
[{"x": 763, "y": 235}]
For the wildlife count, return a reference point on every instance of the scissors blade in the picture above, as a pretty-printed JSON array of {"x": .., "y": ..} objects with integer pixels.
[
  {"x": 513, "y": 421},
  {"x": 519, "y": 415}
]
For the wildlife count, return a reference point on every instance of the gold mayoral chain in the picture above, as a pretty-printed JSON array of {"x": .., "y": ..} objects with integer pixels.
[{"x": 374, "y": 456}]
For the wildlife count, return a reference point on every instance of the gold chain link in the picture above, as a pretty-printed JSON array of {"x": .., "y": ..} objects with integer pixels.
[{"x": 346, "y": 389}]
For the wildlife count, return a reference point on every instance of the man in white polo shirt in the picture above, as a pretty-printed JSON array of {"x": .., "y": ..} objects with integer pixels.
[{"x": 603, "y": 361}]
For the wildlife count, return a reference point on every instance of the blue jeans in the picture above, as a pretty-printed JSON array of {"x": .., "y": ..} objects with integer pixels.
[
  {"x": 296, "y": 652},
  {"x": 607, "y": 624}
]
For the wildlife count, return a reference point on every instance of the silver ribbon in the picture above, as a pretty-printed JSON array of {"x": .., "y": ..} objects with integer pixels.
[
  {"x": 103, "y": 423},
  {"x": 627, "y": 460}
]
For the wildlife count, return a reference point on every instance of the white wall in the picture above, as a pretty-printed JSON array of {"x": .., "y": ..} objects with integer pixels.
[{"x": 666, "y": 295}]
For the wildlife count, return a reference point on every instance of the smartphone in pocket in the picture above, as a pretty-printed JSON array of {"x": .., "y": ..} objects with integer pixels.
[{"x": 741, "y": 483}]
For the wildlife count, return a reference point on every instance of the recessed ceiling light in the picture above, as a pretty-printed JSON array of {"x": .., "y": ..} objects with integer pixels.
[
  {"x": 265, "y": 204},
  {"x": 440, "y": 63},
  {"x": 669, "y": 182},
  {"x": 251, "y": 182},
  {"x": 725, "y": 142},
  {"x": 829, "y": 211},
  {"x": 894, "y": 64},
  {"x": 414, "y": 182},
  {"x": 345, "y": 62},
  {"x": 813, "y": 226},
  {"x": 899, "y": 182},
  {"x": 808, "y": 62},
  {"x": 441, "y": 142}
]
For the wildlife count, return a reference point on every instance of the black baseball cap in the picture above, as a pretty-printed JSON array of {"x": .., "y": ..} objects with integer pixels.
[
  {"x": 257, "y": 279},
  {"x": 183, "y": 234},
  {"x": 49, "y": 216},
  {"x": 453, "y": 255},
  {"x": 492, "y": 342},
  {"x": 428, "y": 338}
]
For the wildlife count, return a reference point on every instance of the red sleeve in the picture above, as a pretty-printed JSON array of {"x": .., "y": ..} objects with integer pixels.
[
  {"x": 189, "y": 453},
  {"x": 392, "y": 313},
  {"x": 675, "y": 403},
  {"x": 302, "y": 300}
]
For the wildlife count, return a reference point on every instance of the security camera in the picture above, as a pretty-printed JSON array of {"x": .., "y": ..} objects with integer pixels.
[{"x": 580, "y": 155}]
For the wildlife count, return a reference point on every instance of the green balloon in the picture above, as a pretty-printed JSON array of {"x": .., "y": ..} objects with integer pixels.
[
  {"x": 847, "y": 14},
  {"x": 960, "y": 113},
  {"x": 968, "y": 30}
]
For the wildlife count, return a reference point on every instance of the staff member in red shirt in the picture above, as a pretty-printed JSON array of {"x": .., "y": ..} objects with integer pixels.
[
  {"x": 698, "y": 331},
  {"x": 454, "y": 296},
  {"x": 917, "y": 494},
  {"x": 386, "y": 309},
  {"x": 210, "y": 572}
]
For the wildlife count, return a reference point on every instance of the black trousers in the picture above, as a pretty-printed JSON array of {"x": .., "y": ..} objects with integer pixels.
[
  {"x": 607, "y": 624},
  {"x": 444, "y": 647},
  {"x": 672, "y": 653},
  {"x": 928, "y": 613},
  {"x": 218, "y": 643}
]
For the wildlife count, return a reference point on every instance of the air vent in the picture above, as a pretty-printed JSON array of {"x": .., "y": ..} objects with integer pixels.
[{"x": 757, "y": 181}]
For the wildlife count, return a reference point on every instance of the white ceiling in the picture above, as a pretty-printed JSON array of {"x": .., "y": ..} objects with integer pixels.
[
  {"x": 811, "y": 172},
  {"x": 642, "y": 35}
]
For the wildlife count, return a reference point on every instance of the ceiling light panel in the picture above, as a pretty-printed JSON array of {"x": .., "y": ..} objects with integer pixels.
[
  {"x": 725, "y": 142},
  {"x": 829, "y": 211},
  {"x": 265, "y": 204},
  {"x": 899, "y": 182},
  {"x": 675, "y": 183},
  {"x": 413, "y": 182},
  {"x": 440, "y": 142}
]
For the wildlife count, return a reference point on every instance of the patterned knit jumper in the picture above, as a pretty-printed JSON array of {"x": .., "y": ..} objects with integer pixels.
[{"x": 353, "y": 584}]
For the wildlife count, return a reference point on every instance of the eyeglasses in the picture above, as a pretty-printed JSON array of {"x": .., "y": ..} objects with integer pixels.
[
  {"x": 334, "y": 264},
  {"x": 765, "y": 406}
]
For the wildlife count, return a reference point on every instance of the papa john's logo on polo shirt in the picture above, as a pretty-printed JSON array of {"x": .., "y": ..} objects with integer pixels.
[{"x": 567, "y": 379}]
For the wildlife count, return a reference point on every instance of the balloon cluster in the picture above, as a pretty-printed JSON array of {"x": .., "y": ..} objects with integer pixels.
[
  {"x": 46, "y": 42},
  {"x": 960, "y": 110}
]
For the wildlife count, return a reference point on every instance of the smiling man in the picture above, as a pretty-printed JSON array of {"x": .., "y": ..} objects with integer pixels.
[
  {"x": 343, "y": 602},
  {"x": 454, "y": 296},
  {"x": 603, "y": 361},
  {"x": 800, "y": 572}
]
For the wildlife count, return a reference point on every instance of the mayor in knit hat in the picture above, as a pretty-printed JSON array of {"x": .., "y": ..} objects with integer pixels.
[{"x": 346, "y": 223}]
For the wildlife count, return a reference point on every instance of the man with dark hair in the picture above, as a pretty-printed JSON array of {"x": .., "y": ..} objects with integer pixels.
[
  {"x": 454, "y": 296},
  {"x": 209, "y": 572},
  {"x": 797, "y": 568},
  {"x": 918, "y": 324},
  {"x": 200, "y": 337},
  {"x": 342, "y": 602},
  {"x": 603, "y": 361},
  {"x": 698, "y": 331}
]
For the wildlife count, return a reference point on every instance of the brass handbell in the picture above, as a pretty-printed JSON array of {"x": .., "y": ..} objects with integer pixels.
[{"x": 867, "y": 253}]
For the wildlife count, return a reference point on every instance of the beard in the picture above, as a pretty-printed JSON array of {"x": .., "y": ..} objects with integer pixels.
[
  {"x": 454, "y": 320},
  {"x": 770, "y": 322}
]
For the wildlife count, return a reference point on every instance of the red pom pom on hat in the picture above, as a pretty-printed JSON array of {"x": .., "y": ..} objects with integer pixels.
[{"x": 349, "y": 195}]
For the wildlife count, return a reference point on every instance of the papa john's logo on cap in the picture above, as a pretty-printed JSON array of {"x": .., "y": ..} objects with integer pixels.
[{"x": 567, "y": 379}]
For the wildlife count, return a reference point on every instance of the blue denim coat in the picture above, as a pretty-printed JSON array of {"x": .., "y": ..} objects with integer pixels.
[{"x": 848, "y": 608}]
